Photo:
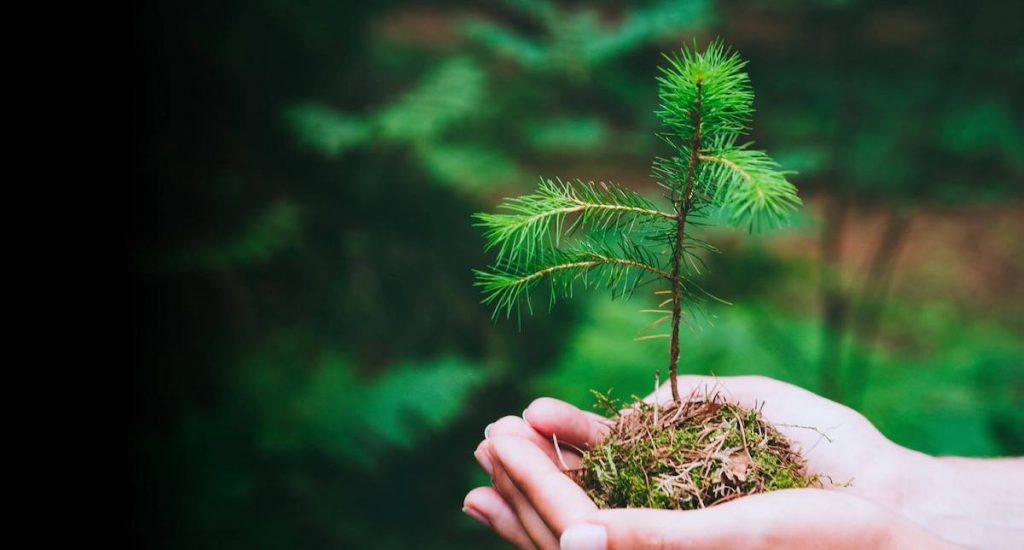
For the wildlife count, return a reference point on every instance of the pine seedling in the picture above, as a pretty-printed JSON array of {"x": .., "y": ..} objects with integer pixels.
[{"x": 570, "y": 232}]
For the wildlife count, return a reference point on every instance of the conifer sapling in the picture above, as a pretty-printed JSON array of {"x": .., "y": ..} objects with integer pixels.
[{"x": 605, "y": 235}]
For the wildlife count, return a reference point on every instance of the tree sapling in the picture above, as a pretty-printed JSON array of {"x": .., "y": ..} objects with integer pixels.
[{"x": 696, "y": 450}]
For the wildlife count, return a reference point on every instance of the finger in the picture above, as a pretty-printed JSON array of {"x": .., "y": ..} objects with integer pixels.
[
  {"x": 484, "y": 458},
  {"x": 573, "y": 426},
  {"x": 486, "y": 505},
  {"x": 565, "y": 458},
  {"x": 555, "y": 497},
  {"x": 800, "y": 518},
  {"x": 532, "y": 523}
]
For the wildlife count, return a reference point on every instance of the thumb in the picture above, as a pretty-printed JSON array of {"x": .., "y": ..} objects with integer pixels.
[{"x": 643, "y": 529}]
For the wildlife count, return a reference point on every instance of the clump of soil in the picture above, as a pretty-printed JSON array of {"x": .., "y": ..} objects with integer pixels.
[{"x": 692, "y": 454}]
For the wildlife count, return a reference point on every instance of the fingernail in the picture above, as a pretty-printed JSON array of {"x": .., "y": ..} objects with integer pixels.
[
  {"x": 485, "y": 461},
  {"x": 584, "y": 537},
  {"x": 476, "y": 515},
  {"x": 527, "y": 420},
  {"x": 487, "y": 430}
]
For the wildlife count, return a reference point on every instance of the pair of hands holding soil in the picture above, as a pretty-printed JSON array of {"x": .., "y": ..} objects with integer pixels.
[{"x": 881, "y": 495}]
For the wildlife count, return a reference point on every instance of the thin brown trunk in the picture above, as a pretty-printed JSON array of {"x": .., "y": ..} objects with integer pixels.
[
  {"x": 677, "y": 309},
  {"x": 682, "y": 208}
]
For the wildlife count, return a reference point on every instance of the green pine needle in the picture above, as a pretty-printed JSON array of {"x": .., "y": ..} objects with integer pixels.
[
  {"x": 537, "y": 222},
  {"x": 749, "y": 185},
  {"x": 621, "y": 267},
  {"x": 709, "y": 87}
]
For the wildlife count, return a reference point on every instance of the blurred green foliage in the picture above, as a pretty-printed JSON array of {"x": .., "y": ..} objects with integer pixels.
[
  {"x": 420, "y": 119},
  {"x": 323, "y": 405},
  {"x": 312, "y": 366},
  {"x": 572, "y": 41}
]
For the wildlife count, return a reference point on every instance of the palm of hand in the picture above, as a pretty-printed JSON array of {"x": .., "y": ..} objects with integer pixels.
[{"x": 838, "y": 443}]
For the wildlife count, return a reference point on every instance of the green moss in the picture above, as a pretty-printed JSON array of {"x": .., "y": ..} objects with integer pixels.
[{"x": 689, "y": 455}]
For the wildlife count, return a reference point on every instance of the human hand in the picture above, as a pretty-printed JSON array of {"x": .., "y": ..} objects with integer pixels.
[{"x": 891, "y": 500}]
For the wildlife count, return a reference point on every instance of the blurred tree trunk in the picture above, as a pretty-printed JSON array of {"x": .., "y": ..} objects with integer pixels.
[
  {"x": 873, "y": 296},
  {"x": 833, "y": 301}
]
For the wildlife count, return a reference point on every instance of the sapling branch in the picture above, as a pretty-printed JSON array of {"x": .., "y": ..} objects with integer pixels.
[
  {"x": 598, "y": 260},
  {"x": 732, "y": 165}
]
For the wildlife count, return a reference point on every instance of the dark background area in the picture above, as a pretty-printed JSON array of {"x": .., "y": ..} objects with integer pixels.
[{"x": 311, "y": 363}]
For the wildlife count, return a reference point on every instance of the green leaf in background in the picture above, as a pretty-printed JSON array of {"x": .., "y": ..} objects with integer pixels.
[
  {"x": 469, "y": 166},
  {"x": 505, "y": 42},
  {"x": 574, "y": 41},
  {"x": 656, "y": 21},
  {"x": 567, "y": 134},
  {"x": 986, "y": 127},
  {"x": 451, "y": 92},
  {"x": 328, "y": 407},
  {"x": 326, "y": 130},
  {"x": 272, "y": 231}
]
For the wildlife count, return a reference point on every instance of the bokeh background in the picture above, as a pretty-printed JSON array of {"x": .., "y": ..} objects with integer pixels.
[{"x": 313, "y": 367}]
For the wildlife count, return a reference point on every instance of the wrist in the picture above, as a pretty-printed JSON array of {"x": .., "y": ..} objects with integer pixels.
[
  {"x": 973, "y": 502},
  {"x": 903, "y": 533},
  {"x": 931, "y": 495}
]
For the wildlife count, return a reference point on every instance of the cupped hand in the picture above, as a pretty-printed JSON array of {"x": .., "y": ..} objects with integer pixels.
[{"x": 532, "y": 504}]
